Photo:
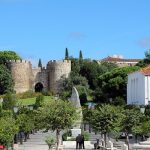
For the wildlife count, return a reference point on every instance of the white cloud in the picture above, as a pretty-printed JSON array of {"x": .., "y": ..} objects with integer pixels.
[
  {"x": 144, "y": 42},
  {"x": 77, "y": 35}
]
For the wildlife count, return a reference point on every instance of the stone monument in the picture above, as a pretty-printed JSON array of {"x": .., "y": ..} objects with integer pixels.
[{"x": 76, "y": 102}]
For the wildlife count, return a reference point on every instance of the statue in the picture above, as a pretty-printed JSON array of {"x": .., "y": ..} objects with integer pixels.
[
  {"x": 75, "y": 98},
  {"x": 76, "y": 102}
]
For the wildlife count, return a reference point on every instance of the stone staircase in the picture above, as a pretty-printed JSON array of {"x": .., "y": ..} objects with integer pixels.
[
  {"x": 94, "y": 136},
  {"x": 118, "y": 145},
  {"x": 37, "y": 142}
]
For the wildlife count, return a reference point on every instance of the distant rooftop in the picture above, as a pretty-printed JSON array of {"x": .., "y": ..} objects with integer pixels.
[
  {"x": 119, "y": 58},
  {"x": 145, "y": 70}
]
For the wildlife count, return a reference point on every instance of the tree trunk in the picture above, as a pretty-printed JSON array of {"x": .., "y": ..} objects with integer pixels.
[
  {"x": 25, "y": 137},
  {"x": 105, "y": 135},
  {"x": 136, "y": 138},
  {"x": 127, "y": 140},
  {"x": 58, "y": 139},
  {"x": 90, "y": 129}
]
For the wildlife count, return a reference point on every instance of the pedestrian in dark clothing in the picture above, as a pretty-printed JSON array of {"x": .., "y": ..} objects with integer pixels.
[
  {"x": 82, "y": 141},
  {"x": 78, "y": 141}
]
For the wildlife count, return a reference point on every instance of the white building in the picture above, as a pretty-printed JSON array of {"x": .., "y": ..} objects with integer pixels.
[
  {"x": 120, "y": 61},
  {"x": 138, "y": 87}
]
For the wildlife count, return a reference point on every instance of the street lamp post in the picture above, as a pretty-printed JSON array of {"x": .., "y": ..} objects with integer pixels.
[{"x": 142, "y": 109}]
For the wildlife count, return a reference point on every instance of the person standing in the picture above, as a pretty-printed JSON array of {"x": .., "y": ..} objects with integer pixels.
[
  {"x": 82, "y": 141},
  {"x": 78, "y": 141}
]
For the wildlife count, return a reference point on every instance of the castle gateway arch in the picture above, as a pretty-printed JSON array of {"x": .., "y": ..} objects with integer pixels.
[{"x": 38, "y": 87}]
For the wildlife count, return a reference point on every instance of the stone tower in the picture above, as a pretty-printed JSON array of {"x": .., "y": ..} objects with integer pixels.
[
  {"x": 37, "y": 79},
  {"x": 56, "y": 71},
  {"x": 21, "y": 71}
]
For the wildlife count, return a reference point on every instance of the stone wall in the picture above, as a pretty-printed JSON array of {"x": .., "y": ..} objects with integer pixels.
[
  {"x": 56, "y": 71},
  {"x": 22, "y": 75},
  {"x": 40, "y": 75},
  {"x": 25, "y": 78}
]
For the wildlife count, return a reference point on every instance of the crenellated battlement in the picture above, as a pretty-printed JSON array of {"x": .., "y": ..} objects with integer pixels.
[
  {"x": 59, "y": 61},
  {"x": 18, "y": 61},
  {"x": 25, "y": 77}
]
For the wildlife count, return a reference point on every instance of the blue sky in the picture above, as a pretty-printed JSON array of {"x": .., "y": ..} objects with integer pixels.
[{"x": 44, "y": 28}]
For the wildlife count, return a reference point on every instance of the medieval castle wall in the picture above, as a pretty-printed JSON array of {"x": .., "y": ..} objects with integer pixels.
[
  {"x": 56, "y": 71},
  {"x": 25, "y": 77},
  {"x": 22, "y": 75},
  {"x": 40, "y": 76}
]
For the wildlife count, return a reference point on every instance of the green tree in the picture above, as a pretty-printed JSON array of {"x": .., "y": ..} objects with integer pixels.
[
  {"x": 113, "y": 84},
  {"x": 56, "y": 115},
  {"x": 75, "y": 65},
  {"x": 90, "y": 70},
  {"x": 146, "y": 61},
  {"x": 131, "y": 122},
  {"x": 6, "y": 82},
  {"x": 8, "y": 129},
  {"x": 66, "y": 54},
  {"x": 80, "y": 56},
  {"x": 40, "y": 63},
  {"x": 147, "y": 110},
  {"x": 9, "y": 101},
  {"x": 39, "y": 101},
  {"x": 8, "y": 55},
  {"x": 106, "y": 118},
  {"x": 107, "y": 66},
  {"x": 25, "y": 120},
  {"x": 145, "y": 126},
  {"x": 25, "y": 123}
]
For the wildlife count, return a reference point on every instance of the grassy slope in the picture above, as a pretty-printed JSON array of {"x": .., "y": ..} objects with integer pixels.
[{"x": 31, "y": 101}]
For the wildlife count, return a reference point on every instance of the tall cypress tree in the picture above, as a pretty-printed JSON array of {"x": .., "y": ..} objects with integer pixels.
[
  {"x": 80, "y": 56},
  {"x": 40, "y": 63},
  {"x": 66, "y": 54}
]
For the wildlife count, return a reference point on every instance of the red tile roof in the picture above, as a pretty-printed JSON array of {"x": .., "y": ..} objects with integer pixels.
[
  {"x": 145, "y": 70},
  {"x": 112, "y": 59}
]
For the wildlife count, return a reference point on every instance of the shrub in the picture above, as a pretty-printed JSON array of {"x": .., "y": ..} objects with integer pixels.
[
  {"x": 39, "y": 101},
  {"x": 119, "y": 101},
  {"x": 50, "y": 141},
  {"x": 86, "y": 135},
  {"x": 47, "y": 93},
  {"x": 65, "y": 95},
  {"x": 147, "y": 110},
  {"x": 27, "y": 94},
  {"x": 66, "y": 134},
  {"x": 9, "y": 101},
  {"x": 83, "y": 98}
]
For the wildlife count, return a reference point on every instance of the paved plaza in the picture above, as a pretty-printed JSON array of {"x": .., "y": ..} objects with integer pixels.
[{"x": 37, "y": 142}]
